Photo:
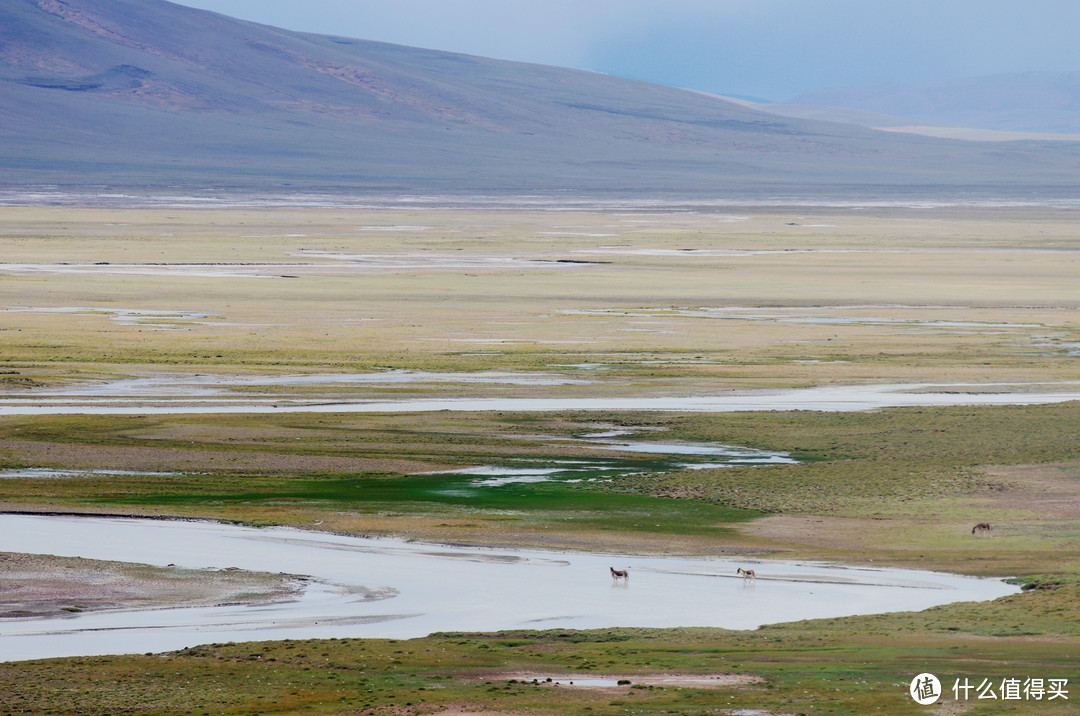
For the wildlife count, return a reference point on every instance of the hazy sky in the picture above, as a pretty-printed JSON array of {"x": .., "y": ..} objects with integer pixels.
[{"x": 774, "y": 49}]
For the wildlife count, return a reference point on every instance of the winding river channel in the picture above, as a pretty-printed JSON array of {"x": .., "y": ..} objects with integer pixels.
[
  {"x": 118, "y": 399},
  {"x": 363, "y": 587}
]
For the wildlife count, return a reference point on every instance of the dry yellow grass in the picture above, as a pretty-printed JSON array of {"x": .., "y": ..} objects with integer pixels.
[{"x": 679, "y": 300}]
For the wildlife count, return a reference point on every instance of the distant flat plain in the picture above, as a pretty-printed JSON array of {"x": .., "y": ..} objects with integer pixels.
[{"x": 617, "y": 303}]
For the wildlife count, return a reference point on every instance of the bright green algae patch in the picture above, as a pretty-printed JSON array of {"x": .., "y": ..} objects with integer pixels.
[{"x": 559, "y": 502}]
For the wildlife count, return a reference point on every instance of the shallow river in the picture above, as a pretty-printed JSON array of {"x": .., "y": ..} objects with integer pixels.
[
  {"x": 429, "y": 588},
  {"x": 100, "y": 401}
]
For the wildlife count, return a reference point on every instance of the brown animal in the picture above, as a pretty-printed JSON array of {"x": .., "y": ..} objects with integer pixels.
[
  {"x": 617, "y": 574},
  {"x": 746, "y": 573},
  {"x": 983, "y": 527}
]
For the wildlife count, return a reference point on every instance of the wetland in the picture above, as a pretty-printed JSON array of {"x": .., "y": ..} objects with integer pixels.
[{"x": 568, "y": 359}]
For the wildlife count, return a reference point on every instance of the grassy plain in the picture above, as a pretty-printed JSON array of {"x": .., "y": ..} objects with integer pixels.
[
  {"x": 855, "y": 665},
  {"x": 667, "y": 303},
  {"x": 672, "y": 300},
  {"x": 902, "y": 486}
]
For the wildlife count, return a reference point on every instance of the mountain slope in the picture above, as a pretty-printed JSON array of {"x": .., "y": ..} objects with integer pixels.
[{"x": 145, "y": 93}]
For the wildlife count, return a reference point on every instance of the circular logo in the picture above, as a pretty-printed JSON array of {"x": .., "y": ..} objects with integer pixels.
[{"x": 925, "y": 689}]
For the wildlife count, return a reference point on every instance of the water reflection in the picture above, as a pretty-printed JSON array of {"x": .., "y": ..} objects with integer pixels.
[{"x": 661, "y": 457}]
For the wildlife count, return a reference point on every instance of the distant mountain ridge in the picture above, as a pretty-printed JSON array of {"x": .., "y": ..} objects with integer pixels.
[
  {"x": 149, "y": 94},
  {"x": 1047, "y": 102}
]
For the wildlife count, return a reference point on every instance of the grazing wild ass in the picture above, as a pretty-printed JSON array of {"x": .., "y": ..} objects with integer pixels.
[{"x": 983, "y": 527}]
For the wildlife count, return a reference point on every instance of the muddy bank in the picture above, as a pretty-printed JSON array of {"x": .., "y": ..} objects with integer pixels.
[
  {"x": 37, "y": 585},
  {"x": 627, "y": 681}
]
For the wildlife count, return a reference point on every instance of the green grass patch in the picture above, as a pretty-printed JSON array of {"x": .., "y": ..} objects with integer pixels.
[
  {"x": 569, "y": 505},
  {"x": 899, "y": 465}
]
